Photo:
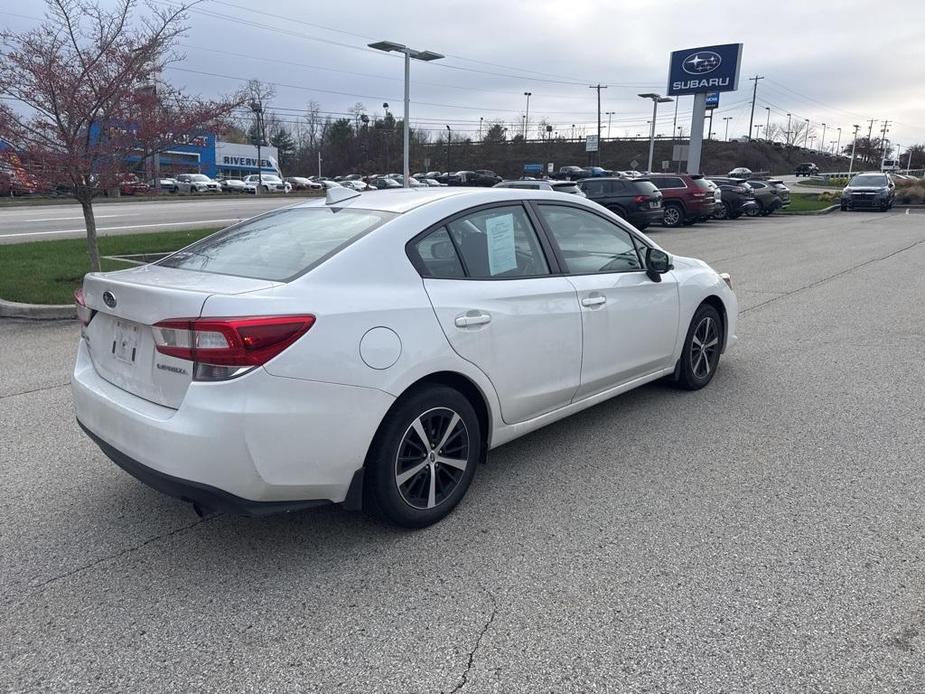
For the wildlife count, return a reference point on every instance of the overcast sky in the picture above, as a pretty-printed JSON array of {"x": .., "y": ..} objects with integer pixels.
[{"x": 834, "y": 66}]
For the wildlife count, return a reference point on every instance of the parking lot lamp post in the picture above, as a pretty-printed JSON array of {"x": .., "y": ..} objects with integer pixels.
[
  {"x": 727, "y": 119},
  {"x": 481, "y": 120},
  {"x": 609, "y": 116},
  {"x": 822, "y": 139},
  {"x": 767, "y": 123},
  {"x": 527, "y": 114},
  {"x": 789, "y": 118},
  {"x": 449, "y": 136},
  {"x": 806, "y": 133},
  {"x": 854, "y": 146},
  {"x": 257, "y": 108},
  {"x": 909, "y": 160},
  {"x": 409, "y": 53},
  {"x": 656, "y": 100},
  {"x": 838, "y": 142}
]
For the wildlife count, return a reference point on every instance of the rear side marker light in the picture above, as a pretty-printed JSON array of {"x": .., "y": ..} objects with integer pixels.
[
  {"x": 727, "y": 278},
  {"x": 242, "y": 342}
]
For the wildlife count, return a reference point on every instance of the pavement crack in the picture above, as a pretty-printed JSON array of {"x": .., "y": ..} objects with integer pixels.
[
  {"x": 846, "y": 271},
  {"x": 478, "y": 642},
  {"x": 35, "y": 390},
  {"x": 127, "y": 550}
]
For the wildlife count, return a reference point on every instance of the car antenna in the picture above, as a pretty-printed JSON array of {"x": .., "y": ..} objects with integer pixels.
[{"x": 336, "y": 195}]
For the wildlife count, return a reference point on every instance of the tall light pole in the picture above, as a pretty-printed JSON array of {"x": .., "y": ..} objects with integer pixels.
[
  {"x": 527, "y": 114},
  {"x": 838, "y": 143},
  {"x": 609, "y": 116},
  {"x": 854, "y": 146},
  {"x": 409, "y": 53},
  {"x": 449, "y": 136},
  {"x": 806, "y": 134},
  {"x": 656, "y": 100},
  {"x": 767, "y": 123},
  {"x": 788, "y": 129},
  {"x": 727, "y": 119},
  {"x": 822, "y": 139},
  {"x": 257, "y": 108}
]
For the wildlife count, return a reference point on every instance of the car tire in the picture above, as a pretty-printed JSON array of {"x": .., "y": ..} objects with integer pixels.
[
  {"x": 619, "y": 211},
  {"x": 406, "y": 481},
  {"x": 702, "y": 348},
  {"x": 844, "y": 207},
  {"x": 674, "y": 216},
  {"x": 724, "y": 211},
  {"x": 756, "y": 210}
]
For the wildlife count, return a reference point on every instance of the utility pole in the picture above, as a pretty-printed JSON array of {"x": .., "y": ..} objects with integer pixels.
[
  {"x": 710, "y": 127},
  {"x": 727, "y": 119},
  {"x": 883, "y": 131},
  {"x": 751, "y": 118},
  {"x": 870, "y": 133},
  {"x": 674, "y": 123},
  {"x": 598, "y": 87},
  {"x": 257, "y": 107},
  {"x": 788, "y": 129},
  {"x": 854, "y": 146},
  {"x": 527, "y": 114}
]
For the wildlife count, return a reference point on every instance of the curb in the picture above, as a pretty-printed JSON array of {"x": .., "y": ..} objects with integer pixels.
[{"x": 12, "y": 309}]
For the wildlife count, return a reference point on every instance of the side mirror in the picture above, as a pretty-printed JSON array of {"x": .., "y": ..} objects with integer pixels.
[{"x": 657, "y": 264}]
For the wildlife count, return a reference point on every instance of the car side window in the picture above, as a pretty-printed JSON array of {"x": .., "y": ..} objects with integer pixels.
[
  {"x": 589, "y": 243},
  {"x": 595, "y": 188},
  {"x": 437, "y": 255},
  {"x": 498, "y": 242}
]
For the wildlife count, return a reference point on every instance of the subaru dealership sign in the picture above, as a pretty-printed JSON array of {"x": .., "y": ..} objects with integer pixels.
[{"x": 705, "y": 69}]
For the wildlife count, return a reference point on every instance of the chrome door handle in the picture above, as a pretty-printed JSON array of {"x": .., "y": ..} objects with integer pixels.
[
  {"x": 472, "y": 318},
  {"x": 594, "y": 300}
]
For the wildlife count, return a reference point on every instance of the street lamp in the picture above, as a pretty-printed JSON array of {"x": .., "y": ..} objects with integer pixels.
[
  {"x": 609, "y": 115},
  {"x": 409, "y": 53},
  {"x": 767, "y": 124},
  {"x": 449, "y": 136},
  {"x": 727, "y": 119},
  {"x": 838, "y": 142},
  {"x": 822, "y": 139},
  {"x": 806, "y": 134},
  {"x": 527, "y": 114},
  {"x": 257, "y": 108},
  {"x": 656, "y": 100}
]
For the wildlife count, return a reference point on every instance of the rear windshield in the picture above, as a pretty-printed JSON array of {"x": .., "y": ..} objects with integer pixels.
[
  {"x": 702, "y": 183},
  {"x": 278, "y": 246},
  {"x": 643, "y": 187}
]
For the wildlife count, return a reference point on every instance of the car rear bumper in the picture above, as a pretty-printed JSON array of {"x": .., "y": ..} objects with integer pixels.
[
  {"x": 643, "y": 218},
  {"x": 237, "y": 444}
]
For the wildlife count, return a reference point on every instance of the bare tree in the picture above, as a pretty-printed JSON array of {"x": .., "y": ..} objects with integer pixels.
[{"x": 81, "y": 99}]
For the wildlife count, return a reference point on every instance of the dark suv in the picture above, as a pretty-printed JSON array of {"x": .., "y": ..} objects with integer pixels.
[
  {"x": 637, "y": 200},
  {"x": 687, "y": 198},
  {"x": 873, "y": 191},
  {"x": 807, "y": 169},
  {"x": 738, "y": 198}
]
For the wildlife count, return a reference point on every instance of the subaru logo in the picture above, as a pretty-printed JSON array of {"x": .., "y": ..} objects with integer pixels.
[
  {"x": 109, "y": 299},
  {"x": 701, "y": 62}
]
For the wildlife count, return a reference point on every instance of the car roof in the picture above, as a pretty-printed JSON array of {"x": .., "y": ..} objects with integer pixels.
[{"x": 401, "y": 200}]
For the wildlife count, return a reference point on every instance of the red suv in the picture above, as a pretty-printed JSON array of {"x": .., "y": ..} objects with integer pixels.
[{"x": 686, "y": 198}]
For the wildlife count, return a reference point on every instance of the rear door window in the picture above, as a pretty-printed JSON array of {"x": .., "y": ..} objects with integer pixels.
[
  {"x": 278, "y": 246},
  {"x": 498, "y": 243}
]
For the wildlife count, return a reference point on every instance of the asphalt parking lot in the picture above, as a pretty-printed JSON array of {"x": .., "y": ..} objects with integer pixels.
[{"x": 764, "y": 534}]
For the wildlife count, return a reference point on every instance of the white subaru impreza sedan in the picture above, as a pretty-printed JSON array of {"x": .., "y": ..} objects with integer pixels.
[{"x": 371, "y": 349}]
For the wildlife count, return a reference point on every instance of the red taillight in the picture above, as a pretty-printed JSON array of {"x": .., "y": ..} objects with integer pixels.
[
  {"x": 84, "y": 314},
  {"x": 639, "y": 199},
  {"x": 240, "y": 342}
]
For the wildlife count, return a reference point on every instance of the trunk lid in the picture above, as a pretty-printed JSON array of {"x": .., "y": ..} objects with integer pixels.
[{"x": 128, "y": 303}]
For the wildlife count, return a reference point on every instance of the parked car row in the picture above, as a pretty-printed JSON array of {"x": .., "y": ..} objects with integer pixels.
[{"x": 678, "y": 199}]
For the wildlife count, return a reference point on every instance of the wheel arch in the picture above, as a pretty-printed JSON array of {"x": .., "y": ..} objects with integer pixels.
[
  {"x": 451, "y": 379},
  {"x": 717, "y": 303}
]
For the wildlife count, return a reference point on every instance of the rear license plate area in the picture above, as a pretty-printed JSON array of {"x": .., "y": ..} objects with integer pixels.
[{"x": 125, "y": 341}]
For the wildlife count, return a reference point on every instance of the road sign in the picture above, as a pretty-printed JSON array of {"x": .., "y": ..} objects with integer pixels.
[
  {"x": 712, "y": 100},
  {"x": 704, "y": 69},
  {"x": 591, "y": 143},
  {"x": 533, "y": 168},
  {"x": 680, "y": 152},
  {"x": 634, "y": 164},
  {"x": 550, "y": 168}
]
